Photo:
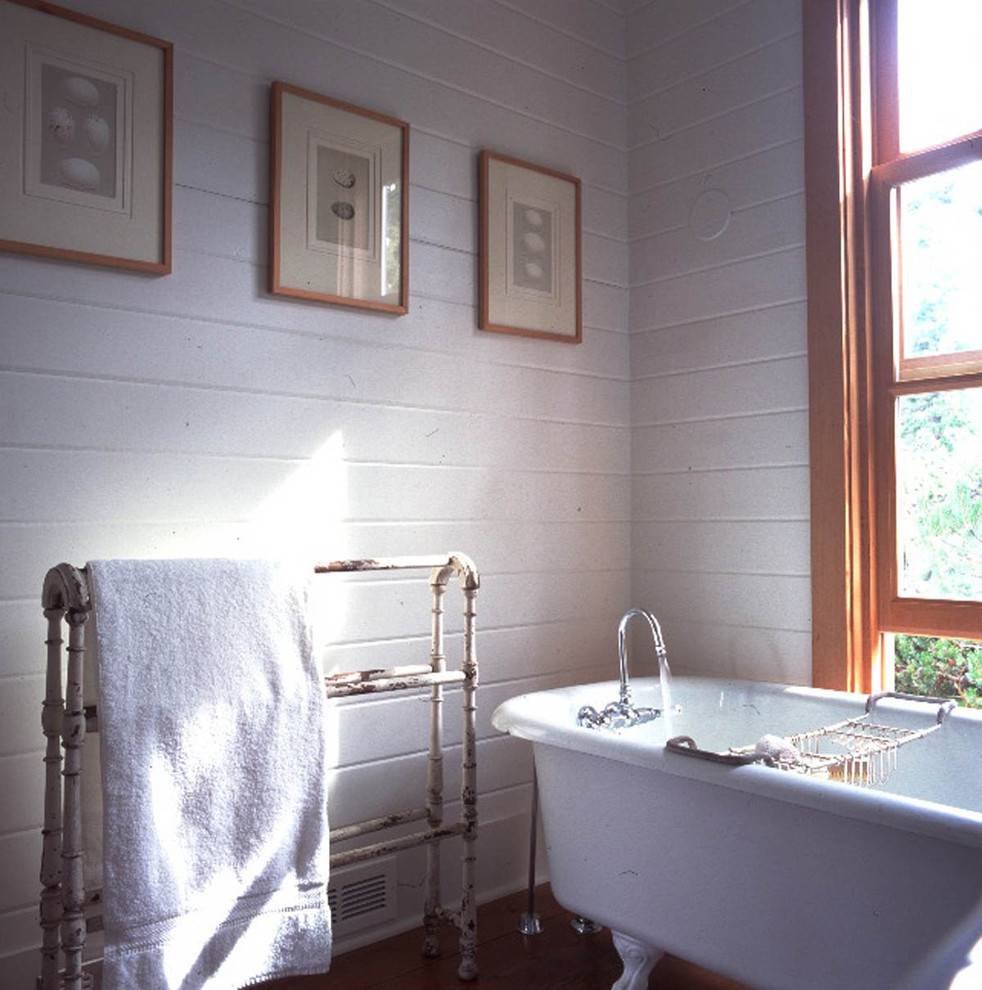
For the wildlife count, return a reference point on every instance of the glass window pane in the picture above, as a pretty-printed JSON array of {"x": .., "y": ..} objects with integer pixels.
[
  {"x": 940, "y": 71},
  {"x": 939, "y": 494},
  {"x": 941, "y": 245}
]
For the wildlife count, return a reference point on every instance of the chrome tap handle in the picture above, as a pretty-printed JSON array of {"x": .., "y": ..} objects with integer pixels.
[{"x": 615, "y": 716}]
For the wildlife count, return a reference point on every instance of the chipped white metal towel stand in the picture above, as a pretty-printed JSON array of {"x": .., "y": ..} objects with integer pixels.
[{"x": 68, "y": 911}]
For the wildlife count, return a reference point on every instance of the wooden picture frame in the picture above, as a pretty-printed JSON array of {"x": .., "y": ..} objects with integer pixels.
[
  {"x": 339, "y": 202},
  {"x": 530, "y": 250},
  {"x": 86, "y": 153}
]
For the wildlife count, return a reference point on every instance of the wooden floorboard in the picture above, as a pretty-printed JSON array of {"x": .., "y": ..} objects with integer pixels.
[{"x": 558, "y": 959}]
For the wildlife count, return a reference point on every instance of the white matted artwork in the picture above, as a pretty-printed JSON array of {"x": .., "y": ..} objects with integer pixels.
[
  {"x": 85, "y": 144},
  {"x": 339, "y": 208},
  {"x": 530, "y": 250}
]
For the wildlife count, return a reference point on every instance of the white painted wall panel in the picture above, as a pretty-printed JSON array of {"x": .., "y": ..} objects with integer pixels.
[
  {"x": 737, "y": 390},
  {"x": 720, "y": 539},
  {"x": 445, "y": 58},
  {"x": 662, "y": 23},
  {"x": 195, "y": 415},
  {"x": 755, "y": 652},
  {"x": 764, "y": 228},
  {"x": 267, "y": 47},
  {"x": 739, "y": 28},
  {"x": 760, "y": 440},
  {"x": 757, "y": 281},
  {"x": 774, "y": 173},
  {"x": 759, "y": 334},
  {"x": 196, "y": 287},
  {"x": 156, "y": 417},
  {"x": 591, "y": 22},
  {"x": 773, "y": 68},
  {"x": 747, "y": 600},
  {"x": 534, "y": 44},
  {"x": 742, "y": 133},
  {"x": 662, "y": 462},
  {"x": 187, "y": 348},
  {"x": 744, "y": 547},
  {"x": 425, "y": 493},
  {"x": 759, "y": 493}
]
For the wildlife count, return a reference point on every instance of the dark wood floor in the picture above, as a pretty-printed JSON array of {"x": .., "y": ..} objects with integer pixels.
[{"x": 558, "y": 958}]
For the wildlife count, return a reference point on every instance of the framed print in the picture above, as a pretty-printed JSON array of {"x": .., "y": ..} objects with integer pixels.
[
  {"x": 339, "y": 225},
  {"x": 530, "y": 250},
  {"x": 85, "y": 139}
]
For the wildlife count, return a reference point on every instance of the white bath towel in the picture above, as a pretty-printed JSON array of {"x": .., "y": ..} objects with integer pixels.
[{"x": 211, "y": 731}]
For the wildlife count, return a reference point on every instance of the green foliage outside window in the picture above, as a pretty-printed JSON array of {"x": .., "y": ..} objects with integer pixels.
[
  {"x": 945, "y": 668},
  {"x": 939, "y": 446}
]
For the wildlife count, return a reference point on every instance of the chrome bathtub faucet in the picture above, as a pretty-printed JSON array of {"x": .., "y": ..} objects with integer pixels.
[{"x": 622, "y": 714}]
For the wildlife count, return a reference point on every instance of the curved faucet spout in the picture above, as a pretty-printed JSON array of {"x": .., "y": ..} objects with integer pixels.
[
  {"x": 622, "y": 646},
  {"x": 622, "y": 714}
]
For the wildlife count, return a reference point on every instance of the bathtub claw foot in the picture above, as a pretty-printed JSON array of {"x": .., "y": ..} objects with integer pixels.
[{"x": 639, "y": 960}]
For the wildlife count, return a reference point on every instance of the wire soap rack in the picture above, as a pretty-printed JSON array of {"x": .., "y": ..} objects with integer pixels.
[{"x": 856, "y": 750}]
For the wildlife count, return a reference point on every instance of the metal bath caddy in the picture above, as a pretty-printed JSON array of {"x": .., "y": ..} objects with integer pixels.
[{"x": 855, "y": 751}]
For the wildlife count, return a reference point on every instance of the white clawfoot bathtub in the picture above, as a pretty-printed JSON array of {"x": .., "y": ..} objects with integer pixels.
[{"x": 781, "y": 881}]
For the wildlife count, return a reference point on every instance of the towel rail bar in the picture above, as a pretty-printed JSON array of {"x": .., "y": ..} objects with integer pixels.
[
  {"x": 381, "y": 685},
  {"x": 68, "y": 911},
  {"x": 377, "y": 849},
  {"x": 356, "y": 676},
  {"x": 336, "y": 688},
  {"x": 377, "y": 824}
]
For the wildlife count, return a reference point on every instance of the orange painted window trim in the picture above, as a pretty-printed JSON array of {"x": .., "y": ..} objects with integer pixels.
[{"x": 852, "y": 164}]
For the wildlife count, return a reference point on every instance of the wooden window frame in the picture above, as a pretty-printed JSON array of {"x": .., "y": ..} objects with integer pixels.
[{"x": 852, "y": 166}]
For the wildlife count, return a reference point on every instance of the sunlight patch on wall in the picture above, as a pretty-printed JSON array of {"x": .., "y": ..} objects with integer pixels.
[{"x": 303, "y": 520}]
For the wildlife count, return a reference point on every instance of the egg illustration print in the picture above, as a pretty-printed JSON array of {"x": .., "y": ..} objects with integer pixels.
[
  {"x": 80, "y": 173},
  {"x": 343, "y": 211},
  {"x": 61, "y": 125},
  {"x": 532, "y": 249},
  {"x": 81, "y": 91},
  {"x": 97, "y": 132}
]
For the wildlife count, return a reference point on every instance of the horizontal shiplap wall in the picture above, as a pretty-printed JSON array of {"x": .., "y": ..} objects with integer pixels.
[
  {"x": 718, "y": 367},
  {"x": 196, "y": 415}
]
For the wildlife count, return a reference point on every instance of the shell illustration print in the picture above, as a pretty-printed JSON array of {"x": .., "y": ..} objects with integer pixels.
[
  {"x": 61, "y": 125},
  {"x": 82, "y": 92},
  {"x": 97, "y": 132},
  {"x": 532, "y": 249},
  {"x": 80, "y": 173}
]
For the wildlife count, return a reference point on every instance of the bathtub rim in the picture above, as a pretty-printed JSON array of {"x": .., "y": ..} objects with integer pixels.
[{"x": 524, "y": 719}]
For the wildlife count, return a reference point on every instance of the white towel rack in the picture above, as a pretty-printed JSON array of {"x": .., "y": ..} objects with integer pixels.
[{"x": 68, "y": 911}]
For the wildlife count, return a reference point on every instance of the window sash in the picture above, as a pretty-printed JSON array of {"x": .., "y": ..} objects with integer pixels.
[
  {"x": 894, "y": 376},
  {"x": 886, "y": 179}
]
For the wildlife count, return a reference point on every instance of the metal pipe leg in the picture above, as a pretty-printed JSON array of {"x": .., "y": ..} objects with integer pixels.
[
  {"x": 530, "y": 923},
  {"x": 434, "y": 783},
  {"x": 467, "y": 970}
]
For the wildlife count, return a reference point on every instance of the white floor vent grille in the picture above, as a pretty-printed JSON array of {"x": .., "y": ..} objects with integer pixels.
[{"x": 362, "y": 895}]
